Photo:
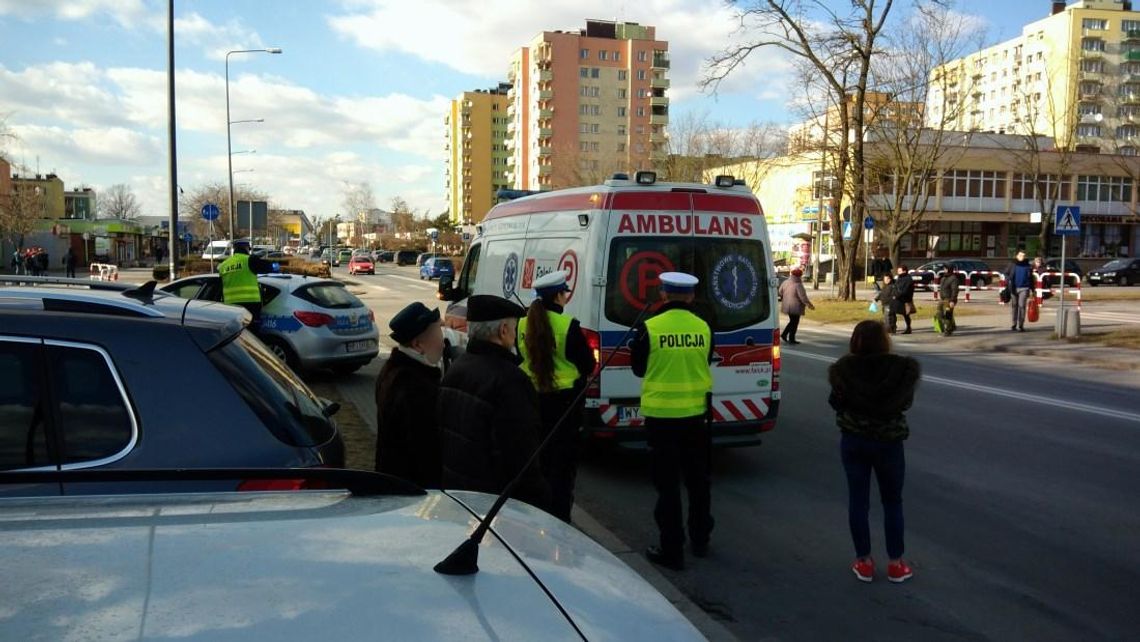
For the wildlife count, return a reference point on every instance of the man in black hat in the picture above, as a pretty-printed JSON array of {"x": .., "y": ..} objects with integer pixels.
[
  {"x": 407, "y": 433},
  {"x": 488, "y": 408}
]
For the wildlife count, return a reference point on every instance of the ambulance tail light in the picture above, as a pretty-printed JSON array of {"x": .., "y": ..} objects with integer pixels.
[
  {"x": 594, "y": 342},
  {"x": 776, "y": 359}
]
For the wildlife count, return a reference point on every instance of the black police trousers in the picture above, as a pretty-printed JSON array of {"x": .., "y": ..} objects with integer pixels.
[
  {"x": 681, "y": 448},
  {"x": 559, "y": 462}
]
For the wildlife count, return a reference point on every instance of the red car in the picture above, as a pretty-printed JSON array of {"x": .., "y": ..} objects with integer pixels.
[{"x": 361, "y": 264}]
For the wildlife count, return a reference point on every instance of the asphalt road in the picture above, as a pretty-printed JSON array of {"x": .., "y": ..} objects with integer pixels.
[{"x": 1021, "y": 501}]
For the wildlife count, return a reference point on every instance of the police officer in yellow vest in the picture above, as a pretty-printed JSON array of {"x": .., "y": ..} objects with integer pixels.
[
  {"x": 671, "y": 352},
  {"x": 239, "y": 280},
  {"x": 558, "y": 362}
]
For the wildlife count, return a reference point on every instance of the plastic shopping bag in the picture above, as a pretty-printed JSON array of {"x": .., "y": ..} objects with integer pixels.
[{"x": 874, "y": 307}]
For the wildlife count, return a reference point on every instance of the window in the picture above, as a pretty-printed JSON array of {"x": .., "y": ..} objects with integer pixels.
[
  {"x": 583, "y": 72},
  {"x": 1094, "y": 23},
  {"x": 1127, "y": 150},
  {"x": 623, "y": 74},
  {"x": 595, "y": 128},
  {"x": 595, "y": 147},
  {"x": 973, "y": 184},
  {"x": 1095, "y": 66},
  {"x": 1130, "y": 25},
  {"x": 621, "y": 111},
  {"x": 595, "y": 110},
  {"x": 93, "y": 416},
  {"x": 1088, "y": 109},
  {"x": 642, "y": 56},
  {"x": 583, "y": 110},
  {"x": 1092, "y": 44},
  {"x": 583, "y": 146},
  {"x": 1032, "y": 187},
  {"x": 470, "y": 270},
  {"x": 640, "y": 111},
  {"x": 584, "y": 91},
  {"x": 333, "y": 296},
  {"x": 1089, "y": 88},
  {"x": 603, "y": 54},
  {"x": 584, "y": 54},
  {"x": 617, "y": 56},
  {"x": 1128, "y": 111},
  {"x": 622, "y": 93},
  {"x": 621, "y": 147},
  {"x": 595, "y": 72},
  {"x": 621, "y": 130},
  {"x": 1088, "y": 130},
  {"x": 23, "y": 428},
  {"x": 1105, "y": 189},
  {"x": 1127, "y": 131},
  {"x": 641, "y": 74},
  {"x": 584, "y": 128}
]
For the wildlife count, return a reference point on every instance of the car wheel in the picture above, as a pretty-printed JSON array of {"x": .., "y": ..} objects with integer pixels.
[
  {"x": 347, "y": 369},
  {"x": 1124, "y": 282},
  {"x": 282, "y": 351},
  {"x": 1092, "y": 284}
]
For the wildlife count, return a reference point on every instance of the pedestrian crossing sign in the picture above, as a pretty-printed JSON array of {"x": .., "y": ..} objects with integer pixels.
[{"x": 1067, "y": 222}]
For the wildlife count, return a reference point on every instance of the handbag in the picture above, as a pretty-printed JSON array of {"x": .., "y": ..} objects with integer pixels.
[
  {"x": 874, "y": 307},
  {"x": 910, "y": 309},
  {"x": 1033, "y": 313},
  {"x": 1004, "y": 296}
]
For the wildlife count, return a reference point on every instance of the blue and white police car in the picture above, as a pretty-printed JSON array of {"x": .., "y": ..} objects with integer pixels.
[{"x": 310, "y": 323}]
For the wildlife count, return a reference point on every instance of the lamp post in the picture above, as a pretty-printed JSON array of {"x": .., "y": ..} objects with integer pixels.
[{"x": 229, "y": 123}]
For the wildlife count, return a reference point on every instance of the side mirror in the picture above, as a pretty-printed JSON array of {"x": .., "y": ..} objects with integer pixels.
[{"x": 329, "y": 408}]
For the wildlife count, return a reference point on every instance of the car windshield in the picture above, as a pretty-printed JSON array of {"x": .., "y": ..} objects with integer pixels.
[
  {"x": 279, "y": 398},
  {"x": 329, "y": 295}
]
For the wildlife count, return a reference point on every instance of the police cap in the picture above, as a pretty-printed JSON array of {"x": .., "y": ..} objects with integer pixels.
[
  {"x": 553, "y": 283},
  {"x": 678, "y": 283}
]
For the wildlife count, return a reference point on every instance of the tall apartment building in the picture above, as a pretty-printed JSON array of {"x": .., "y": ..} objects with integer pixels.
[
  {"x": 586, "y": 104},
  {"x": 476, "y": 152},
  {"x": 1073, "y": 75}
]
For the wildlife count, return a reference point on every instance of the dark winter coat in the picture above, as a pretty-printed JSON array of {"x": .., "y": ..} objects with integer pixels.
[
  {"x": 870, "y": 393},
  {"x": 882, "y": 267},
  {"x": 887, "y": 295},
  {"x": 490, "y": 422},
  {"x": 904, "y": 288},
  {"x": 948, "y": 288},
  {"x": 407, "y": 432},
  {"x": 1019, "y": 275}
]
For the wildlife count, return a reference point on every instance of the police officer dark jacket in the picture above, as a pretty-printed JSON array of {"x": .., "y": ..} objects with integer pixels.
[{"x": 488, "y": 415}]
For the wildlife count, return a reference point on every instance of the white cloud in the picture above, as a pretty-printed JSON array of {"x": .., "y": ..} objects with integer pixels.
[
  {"x": 127, "y": 13},
  {"x": 216, "y": 39},
  {"x": 96, "y": 146}
]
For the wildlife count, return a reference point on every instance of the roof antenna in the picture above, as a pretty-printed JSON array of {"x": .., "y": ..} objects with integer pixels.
[
  {"x": 464, "y": 560},
  {"x": 144, "y": 292}
]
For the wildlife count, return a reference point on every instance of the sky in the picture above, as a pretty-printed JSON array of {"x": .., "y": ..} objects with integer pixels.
[{"x": 358, "y": 95}]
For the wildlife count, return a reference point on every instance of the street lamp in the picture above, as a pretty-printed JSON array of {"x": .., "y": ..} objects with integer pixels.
[{"x": 229, "y": 123}]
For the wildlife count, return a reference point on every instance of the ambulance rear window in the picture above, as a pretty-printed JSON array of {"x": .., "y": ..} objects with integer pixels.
[{"x": 733, "y": 292}]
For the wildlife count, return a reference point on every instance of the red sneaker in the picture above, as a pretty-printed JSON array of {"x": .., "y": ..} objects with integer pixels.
[
  {"x": 899, "y": 572},
  {"x": 864, "y": 570}
]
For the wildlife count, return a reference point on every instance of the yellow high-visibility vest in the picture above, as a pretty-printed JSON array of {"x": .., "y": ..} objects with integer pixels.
[{"x": 677, "y": 376}]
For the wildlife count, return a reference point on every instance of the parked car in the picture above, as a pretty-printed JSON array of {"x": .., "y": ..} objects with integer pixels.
[
  {"x": 380, "y": 256},
  {"x": 924, "y": 274},
  {"x": 1119, "y": 271},
  {"x": 343, "y": 256},
  {"x": 424, "y": 256},
  {"x": 120, "y": 377},
  {"x": 406, "y": 257},
  {"x": 308, "y": 323},
  {"x": 350, "y": 562},
  {"x": 1053, "y": 266},
  {"x": 435, "y": 268},
  {"x": 361, "y": 264}
]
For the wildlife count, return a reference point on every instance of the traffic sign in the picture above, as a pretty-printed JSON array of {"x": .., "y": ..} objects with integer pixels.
[
  {"x": 188, "y": 237},
  {"x": 210, "y": 212},
  {"x": 846, "y": 230},
  {"x": 1067, "y": 222},
  {"x": 868, "y": 223}
]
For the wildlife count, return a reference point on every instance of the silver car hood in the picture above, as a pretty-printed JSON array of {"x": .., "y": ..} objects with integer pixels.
[{"x": 287, "y": 566}]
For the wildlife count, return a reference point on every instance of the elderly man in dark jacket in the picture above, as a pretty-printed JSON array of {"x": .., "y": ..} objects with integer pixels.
[
  {"x": 407, "y": 433},
  {"x": 488, "y": 409}
]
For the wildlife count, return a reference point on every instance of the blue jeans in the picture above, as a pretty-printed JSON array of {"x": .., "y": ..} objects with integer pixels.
[{"x": 861, "y": 456}]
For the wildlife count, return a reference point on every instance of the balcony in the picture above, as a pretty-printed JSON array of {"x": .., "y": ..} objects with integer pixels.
[
  {"x": 659, "y": 101},
  {"x": 545, "y": 132},
  {"x": 546, "y": 94},
  {"x": 659, "y": 119},
  {"x": 658, "y": 137},
  {"x": 1132, "y": 36},
  {"x": 546, "y": 114},
  {"x": 659, "y": 83},
  {"x": 1132, "y": 55},
  {"x": 660, "y": 61},
  {"x": 545, "y": 75},
  {"x": 544, "y": 151},
  {"x": 545, "y": 170}
]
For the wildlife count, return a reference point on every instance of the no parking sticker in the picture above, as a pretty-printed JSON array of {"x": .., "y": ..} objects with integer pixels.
[
  {"x": 640, "y": 274},
  {"x": 569, "y": 263}
]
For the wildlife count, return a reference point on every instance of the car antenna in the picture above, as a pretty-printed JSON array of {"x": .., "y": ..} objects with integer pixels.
[
  {"x": 464, "y": 560},
  {"x": 144, "y": 292}
]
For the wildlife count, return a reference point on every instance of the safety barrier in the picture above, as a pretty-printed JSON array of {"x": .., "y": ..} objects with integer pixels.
[
  {"x": 104, "y": 272},
  {"x": 989, "y": 277},
  {"x": 1070, "y": 280}
]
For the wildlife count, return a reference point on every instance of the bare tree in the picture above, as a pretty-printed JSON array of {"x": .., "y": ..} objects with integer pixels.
[
  {"x": 218, "y": 193},
  {"x": 697, "y": 145},
  {"x": 837, "y": 49},
  {"x": 358, "y": 198},
  {"x": 119, "y": 201},
  {"x": 910, "y": 125},
  {"x": 20, "y": 209},
  {"x": 403, "y": 217}
]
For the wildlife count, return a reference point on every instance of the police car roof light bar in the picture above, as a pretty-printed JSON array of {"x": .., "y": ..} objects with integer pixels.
[
  {"x": 725, "y": 180},
  {"x": 464, "y": 560},
  {"x": 646, "y": 178}
]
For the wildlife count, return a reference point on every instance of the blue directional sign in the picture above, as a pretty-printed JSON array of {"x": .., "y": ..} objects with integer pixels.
[
  {"x": 188, "y": 238},
  {"x": 210, "y": 212},
  {"x": 1067, "y": 222},
  {"x": 846, "y": 230},
  {"x": 868, "y": 223}
]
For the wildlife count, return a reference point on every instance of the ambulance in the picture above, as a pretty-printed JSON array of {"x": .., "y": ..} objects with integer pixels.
[{"x": 615, "y": 240}]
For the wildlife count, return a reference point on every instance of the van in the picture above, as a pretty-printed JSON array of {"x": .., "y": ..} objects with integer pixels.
[
  {"x": 217, "y": 250},
  {"x": 615, "y": 240}
]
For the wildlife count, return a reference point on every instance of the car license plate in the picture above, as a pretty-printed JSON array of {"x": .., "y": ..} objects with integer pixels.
[
  {"x": 360, "y": 346},
  {"x": 629, "y": 413}
]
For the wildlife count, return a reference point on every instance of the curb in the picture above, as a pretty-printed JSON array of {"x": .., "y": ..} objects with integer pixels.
[{"x": 709, "y": 627}]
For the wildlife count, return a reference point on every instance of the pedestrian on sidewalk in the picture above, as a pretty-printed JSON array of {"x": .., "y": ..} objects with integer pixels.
[
  {"x": 1019, "y": 279},
  {"x": 69, "y": 261},
  {"x": 407, "y": 392},
  {"x": 18, "y": 261},
  {"x": 871, "y": 390},
  {"x": 904, "y": 294},
  {"x": 671, "y": 352},
  {"x": 881, "y": 267},
  {"x": 794, "y": 302},
  {"x": 888, "y": 302},
  {"x": 948, "y": 299},
  {"x": 488, "y": 409},
  {"x": 558, "y": 362}
]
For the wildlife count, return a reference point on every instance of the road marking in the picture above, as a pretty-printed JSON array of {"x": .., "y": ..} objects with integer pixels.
[{"x": 997, "y": 392}]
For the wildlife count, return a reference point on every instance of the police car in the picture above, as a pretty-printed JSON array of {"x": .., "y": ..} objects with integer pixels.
[
  {"x": 615, "y": 240},
  {"x": 310, "y": 323}
]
